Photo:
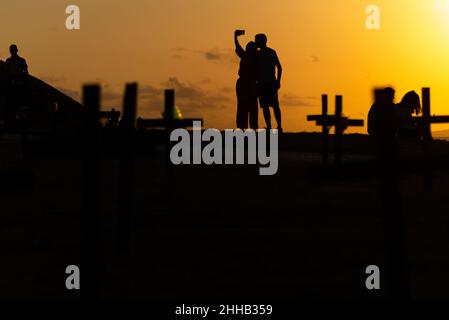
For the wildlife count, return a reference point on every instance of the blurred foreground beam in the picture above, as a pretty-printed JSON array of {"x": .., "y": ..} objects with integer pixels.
[
  {"x": 90, "y": 217},
  {"x": 126, "y": 175},
  {"x": 427, "y": 138},
  {"x": 397, "y": 278}
]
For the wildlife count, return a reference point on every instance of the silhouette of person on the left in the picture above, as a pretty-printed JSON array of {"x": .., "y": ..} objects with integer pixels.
[
  {"x": 246, "y": 86},
  {"x": 382, "y": 127},
  {"x": 382, "y": 114},
  {"x": 17, "y": 86}
]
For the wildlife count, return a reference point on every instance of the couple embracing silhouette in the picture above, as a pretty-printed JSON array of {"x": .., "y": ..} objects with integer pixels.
[
  {"x": 257, "y": 83},
  {"x": 395, "y": 120}
]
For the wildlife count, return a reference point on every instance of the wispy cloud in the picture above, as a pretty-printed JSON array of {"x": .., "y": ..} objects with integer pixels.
[
  {"x": 217, "y": 55},
  {"x": 52, "y": 79},
  {"x": 314, "y": 59},
  {"x": 177, "y": 56},
  {"x": 190, "y": 97},
  {"x": 292, "y": 100},
  {"x": 184, "y": 90},
  {"x": 149, "y": 92},
  {"x": 74, "y": 94},
  {"x": 111, "y": 96}
]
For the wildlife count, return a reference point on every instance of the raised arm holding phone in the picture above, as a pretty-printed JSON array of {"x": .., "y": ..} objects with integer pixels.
[{"x": 246, "y": 87}]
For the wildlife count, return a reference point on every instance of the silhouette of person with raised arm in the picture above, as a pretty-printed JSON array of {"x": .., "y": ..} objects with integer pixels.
[
  {"x": 246, "y": 86},
  {"x": 267, "y": 81},
  {"x": 17, "y": 78},
  {"x": 409, "y": 105}
]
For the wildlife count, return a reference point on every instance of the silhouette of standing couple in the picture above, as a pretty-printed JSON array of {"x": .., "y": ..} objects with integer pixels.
[{"x": 257, "y": 83}]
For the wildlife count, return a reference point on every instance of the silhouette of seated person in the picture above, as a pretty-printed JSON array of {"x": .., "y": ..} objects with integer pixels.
[
  {"x": 409, "y": 105},
  {"x": 17, "y": 84},
  {"x": 382, "y": 127},
  {"x": 246, "y": 86},
  {"x": 382, "y": 115}
]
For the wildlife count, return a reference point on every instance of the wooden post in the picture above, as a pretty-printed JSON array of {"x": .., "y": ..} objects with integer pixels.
[
  {"x": 130, "y": 107},
  {"x": 325, "y": 128},
  {"x": 90, "y": 216},
  {"x": 338, "y": 128},
  {"x": 126, "y": 183},
  {"x": 169, "y": 125},
  {"x": 394, "y": 233},
  {"x": 338, "y": 121},
  {"x": 427, "y": 133},
  {"x": 169, "y": 106},
  {"x": 427, "y": 138}
]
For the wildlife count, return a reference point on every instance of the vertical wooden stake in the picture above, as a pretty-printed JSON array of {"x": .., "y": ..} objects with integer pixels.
[
  {"x": 389, "y": 188},
  {"x": 325, "y": 128},
  {"x": 427, "y": 138},
  {"x": 126, "y": 183},
  {"x": 169, "y": 105},
  {"x": 169, "y": 125},
  {"x": 338, "y": 128},
  {"x": 90, "y": 216},
  {"x": 427, "y": 134}
]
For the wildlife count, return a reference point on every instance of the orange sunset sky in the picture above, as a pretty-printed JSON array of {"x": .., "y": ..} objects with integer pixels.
[{"x": 323, "y": 46}]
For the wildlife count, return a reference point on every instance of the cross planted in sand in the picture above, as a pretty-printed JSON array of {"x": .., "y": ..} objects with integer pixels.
[{"x": 340, "y": 122}]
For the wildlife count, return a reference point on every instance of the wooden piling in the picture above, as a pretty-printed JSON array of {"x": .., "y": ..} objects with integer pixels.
[
  {"x": 90, "y": 216},
  {"x": 325, "y": 128},
  {"x": 169, "y": 126},
  {"x": 169, "y": 107},
  {"x": 126, "y": 175},
  {"x": 396, "y": 274},
  {"x": 338, "y": 128},
  {"x": 427, "y": 139},
  {"x": 427, "y": 133}
]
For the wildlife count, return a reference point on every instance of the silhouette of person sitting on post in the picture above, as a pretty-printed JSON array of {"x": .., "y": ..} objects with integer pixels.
[
  {"x": 268, "y": 83},
  {"x": 246, "y": 86},
  {"x": 17, "y": 78},
  {"x": 409, "y": 105},
  {"x": 382, "y": 127}
]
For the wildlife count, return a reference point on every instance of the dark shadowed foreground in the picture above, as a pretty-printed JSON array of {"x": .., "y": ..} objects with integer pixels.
[{"x": 222, "y": 232}]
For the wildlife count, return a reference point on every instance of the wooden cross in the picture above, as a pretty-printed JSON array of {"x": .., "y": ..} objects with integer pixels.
[
  {"x": 426, "y": 120},
  {"x": 167, "y": 122},
  {"x": 338, "y": 121}
]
